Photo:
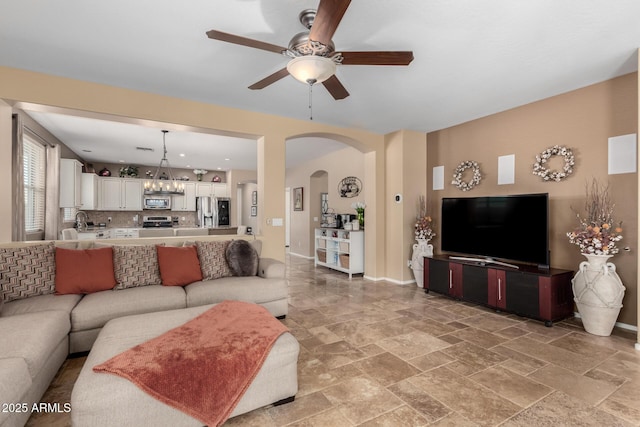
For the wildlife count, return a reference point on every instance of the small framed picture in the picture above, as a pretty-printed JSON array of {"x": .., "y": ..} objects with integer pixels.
[
  {"x": 254, "y": 211},
  {"x": 297, "y": 199},
  {"x": 254, "y": 198}
]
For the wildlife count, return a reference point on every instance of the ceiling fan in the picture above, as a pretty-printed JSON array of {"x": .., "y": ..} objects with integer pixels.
[{"x": 313, "y": 55}]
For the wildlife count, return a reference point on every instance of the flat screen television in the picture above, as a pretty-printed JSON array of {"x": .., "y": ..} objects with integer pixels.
[{"x": 514, "y": 227}]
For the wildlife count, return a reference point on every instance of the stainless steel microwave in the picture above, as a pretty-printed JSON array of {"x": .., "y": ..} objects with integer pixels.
[{"x": 156, "y": 202}]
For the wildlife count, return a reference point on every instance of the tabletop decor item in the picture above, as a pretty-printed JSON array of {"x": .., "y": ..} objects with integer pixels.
[
  {"x": 546, "y": 174},
  {"x": 130, "y": 171},
  {"x": 597, "y": 288},
  {"x": 475, "y": 179},
  {"x": 200, "y": 173},
  {"x": 423, "y": 231},
  {"x": 359, "y": 207}
]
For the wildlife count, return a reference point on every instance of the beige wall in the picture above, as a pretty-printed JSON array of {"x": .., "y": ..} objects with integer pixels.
[
  {"x": 336, "y": 165},
  {"x": 248, "y": 220},
  {"x": 236, "y": 178},
  {"x": 406, "y": 157},
  {"x": 582, "y": 120},
  {"x": 271, "y": 132}
]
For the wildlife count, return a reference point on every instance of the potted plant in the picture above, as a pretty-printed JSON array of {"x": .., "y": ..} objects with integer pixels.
[
  {"x": 200, "y": 173},
  {"x": 597, "y": 288},
  {"x": 359, "y": 207},
  {"x": 423, "y": 232}
]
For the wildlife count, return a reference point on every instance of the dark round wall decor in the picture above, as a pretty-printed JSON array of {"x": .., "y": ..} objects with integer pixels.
[{"x": 349, "y": 187}]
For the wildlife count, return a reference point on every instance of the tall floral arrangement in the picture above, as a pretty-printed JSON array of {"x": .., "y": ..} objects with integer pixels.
[
  {"x": 597, "y": 232},
  {"x": 423, "y": 228},
  {"x": 359, "y": 207}
]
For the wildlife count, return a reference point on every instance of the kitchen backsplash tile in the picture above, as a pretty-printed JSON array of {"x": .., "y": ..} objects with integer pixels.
[{"x": 126, "y": 219}]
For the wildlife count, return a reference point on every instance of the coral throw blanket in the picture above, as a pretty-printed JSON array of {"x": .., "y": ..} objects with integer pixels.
[{"x": 204, "y": 366}]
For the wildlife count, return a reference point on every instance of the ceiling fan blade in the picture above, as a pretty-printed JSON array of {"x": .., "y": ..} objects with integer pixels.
[
  {"x": 377, "y": 58},
  {"x": 335, "y": 88},
  {"x": 328, "y": 17},
  {"x": 243, "y": 41},
  {"x": 270, "y": 79}
]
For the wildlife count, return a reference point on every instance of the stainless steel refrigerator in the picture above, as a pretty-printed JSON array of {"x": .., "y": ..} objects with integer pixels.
[{"x": 213, "y": 212}]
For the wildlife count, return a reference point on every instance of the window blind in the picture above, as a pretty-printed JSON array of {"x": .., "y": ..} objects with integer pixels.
[{"x": 34, "y": 184}]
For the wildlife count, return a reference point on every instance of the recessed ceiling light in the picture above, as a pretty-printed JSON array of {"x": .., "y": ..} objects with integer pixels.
[
  {"x": 181, "y": 154},
  {"x": 227, "y": 159},
  {"x": 120, "y": 161}
]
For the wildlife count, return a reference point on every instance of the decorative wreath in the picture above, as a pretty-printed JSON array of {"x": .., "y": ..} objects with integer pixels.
[
  {"x": 552, "y": 175},
  {"x": 457, "y": 175}
]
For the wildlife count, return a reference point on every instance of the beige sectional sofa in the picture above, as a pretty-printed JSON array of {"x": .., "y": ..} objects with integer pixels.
[{"x": 39, "y": 332}]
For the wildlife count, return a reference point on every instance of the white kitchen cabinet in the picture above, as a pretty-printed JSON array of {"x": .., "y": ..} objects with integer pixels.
[
  {"x": 94, "y": 234},
  {"x": 124, "y": 233},
  {"x": 186, "y": 202},
  {"x": 204, "y": 189},
  {"x": 220, "y": 189},
  {"x": 89, "y": 193},
  {"x": 70, "y": 183},
  {"x": 121, "y": 194},
  {"x": 212, "y": 189},
  {"x": 342, "y": 250}
]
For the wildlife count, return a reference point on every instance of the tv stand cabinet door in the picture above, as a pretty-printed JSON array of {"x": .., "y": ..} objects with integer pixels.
[
  {"x": 475, "y": 286},
  {"x": 436, "y": 275},
  {"x": 497, "y": 288},
  {"x": 522, "y": 294}
]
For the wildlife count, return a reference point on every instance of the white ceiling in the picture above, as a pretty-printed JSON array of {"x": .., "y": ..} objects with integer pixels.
[
  {"x": 109, "y": 141},
  {"x": 472, "y": 58}
]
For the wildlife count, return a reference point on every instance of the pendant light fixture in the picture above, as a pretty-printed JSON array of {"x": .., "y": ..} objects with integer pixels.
[{"x": 163, "y": 181}]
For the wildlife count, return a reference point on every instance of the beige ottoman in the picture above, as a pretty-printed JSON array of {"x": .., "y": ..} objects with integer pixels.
[{"x": 100, "y": 399}]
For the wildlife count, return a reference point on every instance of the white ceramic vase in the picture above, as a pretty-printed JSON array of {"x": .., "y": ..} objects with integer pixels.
[
  {"x": 420, "y": 250},
  {"x": 598, "y": 293}
]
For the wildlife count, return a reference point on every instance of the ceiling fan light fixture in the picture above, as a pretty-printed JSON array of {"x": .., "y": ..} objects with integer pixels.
[{"x": 311, "y": 69}]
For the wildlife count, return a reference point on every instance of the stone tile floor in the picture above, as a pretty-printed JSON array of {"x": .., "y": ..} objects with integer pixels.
[{"x": 380, "y": 354}]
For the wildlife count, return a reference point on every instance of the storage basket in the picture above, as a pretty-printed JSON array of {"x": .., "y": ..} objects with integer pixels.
[
  {"x": 322, "y": 256},
  {"x": 322, "y": 243},
  {"x": 344, "y": 247},
  {"x": 344, "y": 260}
]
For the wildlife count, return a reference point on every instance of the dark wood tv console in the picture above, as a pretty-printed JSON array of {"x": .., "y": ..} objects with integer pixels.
[{"x": 543, "y": 294}]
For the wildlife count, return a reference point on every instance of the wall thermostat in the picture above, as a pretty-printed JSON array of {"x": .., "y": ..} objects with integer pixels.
[{"x": 398, "y": 198}]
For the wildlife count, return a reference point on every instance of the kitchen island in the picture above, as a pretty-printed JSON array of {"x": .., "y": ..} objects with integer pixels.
[{"x": 136, "y": 232}]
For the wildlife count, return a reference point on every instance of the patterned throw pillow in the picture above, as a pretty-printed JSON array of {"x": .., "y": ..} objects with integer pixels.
[
  {"x": 27, "y": 271},
  {"x": 212, "y": 259},
  {"x": 135, "y": 266}
]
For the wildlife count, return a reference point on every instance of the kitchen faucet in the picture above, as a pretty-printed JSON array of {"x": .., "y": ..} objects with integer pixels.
[{"x": 81, "y": 223}]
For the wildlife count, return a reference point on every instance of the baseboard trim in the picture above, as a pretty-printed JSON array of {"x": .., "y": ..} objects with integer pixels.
[
  {"x": 387, "y": 279},
  {"x": 620, "y": 325},
  {"x": 300, "y": 255}
]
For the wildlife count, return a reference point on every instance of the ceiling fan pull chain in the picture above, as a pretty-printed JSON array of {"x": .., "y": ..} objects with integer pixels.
[{"x": 311, "y": 82}]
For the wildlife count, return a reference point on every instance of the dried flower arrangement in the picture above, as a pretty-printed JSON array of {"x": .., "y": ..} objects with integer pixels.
[
  {"x": 423, "y": 228},
  {"x": 596, "y": 233}
]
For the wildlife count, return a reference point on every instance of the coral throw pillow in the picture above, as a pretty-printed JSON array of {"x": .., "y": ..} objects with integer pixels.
[
  {"x": 84, "y": 271},
  {"x": 179, "y": 266}
]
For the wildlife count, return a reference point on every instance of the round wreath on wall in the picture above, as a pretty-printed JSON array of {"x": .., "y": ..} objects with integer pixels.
[
  {"x": 457, "y": 175},
  {"x": 553, "y": 175}
]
